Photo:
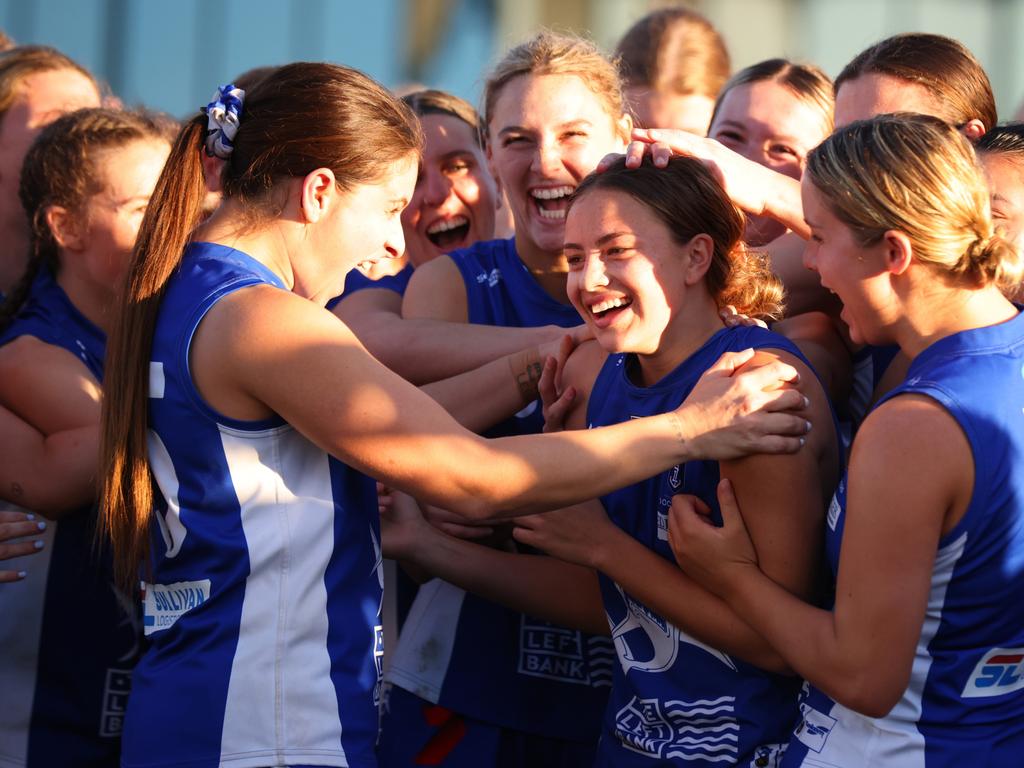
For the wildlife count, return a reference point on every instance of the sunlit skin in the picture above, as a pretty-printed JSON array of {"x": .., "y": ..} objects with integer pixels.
[
  {"x": 768, "y": 123},
  {"x": 619, "y": 252},
  {"x": 873, "y": 94},
  {"x": 1006, "y": 183},
  {"x": 662, "y": 109},
  {"x": 97, "y": 240},
  {"x": 42, "y": 98},
  {"x": 546, "y": 134},
  {"x": 454, "y": 202},
  {"x": 856, "y": 274}
]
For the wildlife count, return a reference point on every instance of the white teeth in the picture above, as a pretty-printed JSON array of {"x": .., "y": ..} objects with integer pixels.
[
  {"x": 607, "y": 304},
  {"x": 445, "y": 224},
  {"x": 553, "y": 193},
  {"x": 551, "y": 214}
]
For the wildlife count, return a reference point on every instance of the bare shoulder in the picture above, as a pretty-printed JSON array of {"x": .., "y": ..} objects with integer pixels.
[
  {"x": 369, "y": 301},
  {"x": 581, "y": 369},
  {"x": 47, "y": 386},
  {"x": 436, "y": 292}
]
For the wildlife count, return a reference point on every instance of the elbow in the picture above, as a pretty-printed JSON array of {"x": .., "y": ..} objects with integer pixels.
[{"x": 869, "y": 695}]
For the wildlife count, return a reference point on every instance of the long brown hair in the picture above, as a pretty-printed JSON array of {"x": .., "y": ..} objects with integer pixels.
[
  {"x": 60, "y": 170},
  {"x": 301, "y": 117},
  {"x": 689, "y": 201}
]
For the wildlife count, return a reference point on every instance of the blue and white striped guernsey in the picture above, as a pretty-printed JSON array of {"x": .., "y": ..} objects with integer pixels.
[
  {"x": 674, "y": 699},
  {"x": 264, "y": 600},
  {"x": 965, "y": 701}
]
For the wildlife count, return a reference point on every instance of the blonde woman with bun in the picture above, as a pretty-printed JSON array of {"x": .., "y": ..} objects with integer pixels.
[{"x": 918, "y": 663}]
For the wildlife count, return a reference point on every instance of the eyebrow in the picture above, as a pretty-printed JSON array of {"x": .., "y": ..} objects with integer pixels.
[
  {"x": 457, "y": 153},
  {"x": 602, "y": 240},
  {"x": 560, "y": 127}
]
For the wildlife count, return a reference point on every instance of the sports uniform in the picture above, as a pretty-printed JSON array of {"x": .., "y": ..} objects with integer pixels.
[
  {"x": 68, "y": 639},
  {"x": 504, "y": 669},
  {"x": 675, "y": 700},
  {"x": 263, "y": 601},
  {"x": 965, "y": 701}
]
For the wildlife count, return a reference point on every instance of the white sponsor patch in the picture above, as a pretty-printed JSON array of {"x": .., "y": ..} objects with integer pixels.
[
  {"x": 814, "y": 728},
  {"x": 166, "y": 603},
  {"x": 156, "y": 380},
  {"x": 999, "y": 671},
  {"x": 834, "y": 511}
]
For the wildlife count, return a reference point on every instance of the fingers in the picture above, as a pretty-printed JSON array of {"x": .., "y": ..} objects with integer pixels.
[
  {"x": 607, "y": 161},
  {"x": 568, "y": 344},
  {"x": 729, "y": 362},
  {"x": 556, "y": 413},
  {"x": 785, "y": 400},
  {"x": 12, "y": 516},
  {"x": 635, "y": 154},
  {"x": 727, "y": 503},
  {"x": 16, "y": 530},
  {"x": 6, "y": 577},
  {"x": 772, "y": 375},
  {"x": 20, "y": 549},
  {"x": 546, "y": 387}
]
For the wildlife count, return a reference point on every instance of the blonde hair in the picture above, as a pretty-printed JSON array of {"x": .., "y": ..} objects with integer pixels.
[
  {"x": 805, "y": 81},
  {"x": 22, "y": 61},
  {"x": 916, "y": 174},
  {"x": 689, "y": 201},
  {"x": 552, "y": 53},
  {"x": 674, "y": 50}
]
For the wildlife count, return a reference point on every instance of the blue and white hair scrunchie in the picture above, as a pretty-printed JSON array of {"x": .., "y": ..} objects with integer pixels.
[{"x": 222, "y": 117}]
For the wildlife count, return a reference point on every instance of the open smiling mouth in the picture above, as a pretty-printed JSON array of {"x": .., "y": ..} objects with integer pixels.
[
  {"x": 609, "y": 307},
  {"x": 552, "y": 202},
  {"x": 448, "y": 234}
]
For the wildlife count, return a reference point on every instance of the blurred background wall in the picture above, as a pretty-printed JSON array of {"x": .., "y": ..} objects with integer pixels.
[{"x": 171, "y": 55}]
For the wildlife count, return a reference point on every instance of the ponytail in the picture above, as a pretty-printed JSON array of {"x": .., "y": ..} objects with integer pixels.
[{"x": 126, "y": 491}]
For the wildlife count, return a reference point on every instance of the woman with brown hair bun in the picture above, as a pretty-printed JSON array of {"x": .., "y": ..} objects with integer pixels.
[
  {"x": 231, "y": 387},
  {"x": 674, "y": 64}
]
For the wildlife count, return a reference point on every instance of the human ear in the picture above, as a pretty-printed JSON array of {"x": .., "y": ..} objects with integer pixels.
[
  {"x": 317, "y": 194},
  {"x": 973, "y": 130},
  {"x": 67, "y": 228},
  {"x": 700, "y": 251},
  {"x": 624, "y": 127},
  {"x": 899, "y": 251}
]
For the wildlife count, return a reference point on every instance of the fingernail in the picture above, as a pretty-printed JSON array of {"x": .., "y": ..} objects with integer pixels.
[
  {"x": 807, "y": 402},
  {"x": 803, "y": 441},
  {"x": 38, "y": 544},
  {"x": 30, "y": 516},
  {"x": 42, "y": 526},
  {"x": 808, "y": 426},
  {"x": 22, "y": 574}
]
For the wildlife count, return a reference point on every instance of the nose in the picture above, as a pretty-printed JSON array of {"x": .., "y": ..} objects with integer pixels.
[
  {"x": 810, "y": 255},
  {"x": 436, "y": 187},
  {"x": 594, "y": 276},
  {"x": 394, "y": 245},
  {"x": 547, "y": 159}
]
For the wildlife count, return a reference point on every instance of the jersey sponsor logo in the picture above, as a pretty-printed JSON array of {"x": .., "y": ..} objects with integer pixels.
[
  {"x": 378, "y": 661},
  {"x": 115, "y": 701},
  {"x": 704, "y": 729},
  {"x": 164, "y": 604},
  {"x": 835, "y": 509},
  {"x": 998, "y": 672},
  {"x": 647, "y": 642},
  {"x": 552, "y": 652},
  {"x": 663, "y": 506},
  {"x": 813, "y": 729},
  {"x": 492, "y": 278}
]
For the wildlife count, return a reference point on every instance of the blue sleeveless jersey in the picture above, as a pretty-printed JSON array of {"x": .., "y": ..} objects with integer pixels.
[
  {"x": 474, "y": 656},
  {"x": 68, "y": 639},
  {"x": 357, "y": 281},
  {"x": 965, "y": 701},
  {"x": 675, "y": 700},
  {"x": 263, "y": 600}
]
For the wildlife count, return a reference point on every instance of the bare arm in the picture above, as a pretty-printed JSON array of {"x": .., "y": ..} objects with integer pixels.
[
  {"x": 49, "y": 423},
  {"x": 860, "y": 653},
  {"x": 541, "y": 586},
  {"x": 262, "y": 350}
]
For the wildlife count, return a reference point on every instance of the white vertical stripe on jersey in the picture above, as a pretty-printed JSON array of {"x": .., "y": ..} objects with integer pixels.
[
  {"x": 894, "y": 740},
  {"x": 281, "y": 669},
  {"x": 21, "y": 623},
  {"x": 420, "y": 661}
]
